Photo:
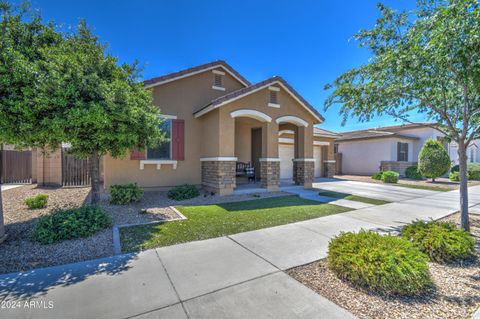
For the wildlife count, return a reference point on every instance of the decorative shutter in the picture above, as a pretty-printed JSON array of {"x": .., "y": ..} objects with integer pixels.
[
  {"x": 137, "y": 155},
  {"x": 398, "y": 151},
  {"x": 178, "y": 140},
  {"x": 406, "y": 152}
]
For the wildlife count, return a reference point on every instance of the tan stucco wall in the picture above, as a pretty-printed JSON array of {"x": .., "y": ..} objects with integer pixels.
[
  {"x": 363, "y": 157},
  {"x": 211, "y": 135},
  {"x": 180, "y": 98}
]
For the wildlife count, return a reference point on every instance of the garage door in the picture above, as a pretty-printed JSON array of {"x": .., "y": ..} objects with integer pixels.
[
  {"x": 317, "y": 154},
  {"x": 286, "y": 154}
]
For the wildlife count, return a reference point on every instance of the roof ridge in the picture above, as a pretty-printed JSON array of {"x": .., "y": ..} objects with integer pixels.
[
  {"x": 198, "y": 68},
  {"x": 259, "y": 84}
]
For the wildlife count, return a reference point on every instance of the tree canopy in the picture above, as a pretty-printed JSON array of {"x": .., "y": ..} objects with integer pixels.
[{"x": 426, "y": 60}]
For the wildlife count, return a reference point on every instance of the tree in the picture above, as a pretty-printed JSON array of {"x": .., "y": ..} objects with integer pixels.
[
  {"x": 100, "y": 106},
  {"x": 425, "y": 60},
  {"x": 23, "y": 123},
  {"x": 433, "y": 160}
]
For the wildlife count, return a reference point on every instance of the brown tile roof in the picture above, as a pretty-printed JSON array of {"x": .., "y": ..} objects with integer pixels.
[
  {"x": 195, "y": 69},
  {"x": 248, "y": 89},
  {"x": 324, "y": 132},
  {"x": 383, "y": 132}
]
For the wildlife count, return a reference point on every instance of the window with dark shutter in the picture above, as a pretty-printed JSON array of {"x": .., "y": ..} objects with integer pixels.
[
  {"x": 402, "y": 152},
  {"x": 163, "y": 150}
]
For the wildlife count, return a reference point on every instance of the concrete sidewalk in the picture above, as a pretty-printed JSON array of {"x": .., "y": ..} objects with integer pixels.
[{"x": 238, "y": 276}]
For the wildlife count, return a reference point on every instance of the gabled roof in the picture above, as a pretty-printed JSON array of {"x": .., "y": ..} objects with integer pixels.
[
  {"x": 195, "y": 70},
  {"x": 384, "y": 132},
  {"x": 232, "y": 96},
  {"x": 325, "y": 133},
  {"x": 371, "y": 134}
]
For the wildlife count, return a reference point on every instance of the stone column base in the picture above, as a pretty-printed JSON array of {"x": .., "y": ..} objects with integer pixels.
[
  {"x": 270, "y": 174},
  {"x": 303, "y": 172},
  {"x": 330, "y": 168},
  {"x": 218, "y": 176}
]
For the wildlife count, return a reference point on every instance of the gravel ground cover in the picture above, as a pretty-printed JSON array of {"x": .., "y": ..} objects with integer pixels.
[
  {"x": 456, "y": 294},
  {"x": 19, "y": 253},
  {"x": 439, "y": 183}
]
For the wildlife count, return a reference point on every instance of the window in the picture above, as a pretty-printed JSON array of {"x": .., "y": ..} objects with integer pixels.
[
  {"x": 402, "y": 152},
  {"x": 164, "y": 150},
  {"x": 335, "y": 148},
  {"x": 472, "y": 155}
]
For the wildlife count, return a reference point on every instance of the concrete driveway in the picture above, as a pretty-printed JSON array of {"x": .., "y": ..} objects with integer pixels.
[
  {"x": 237, "y": 276},
  {"x": 378, "y": 191}
]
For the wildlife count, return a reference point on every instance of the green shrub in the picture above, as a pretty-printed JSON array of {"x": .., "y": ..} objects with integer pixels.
[
  {"x": 183, "y": 192},
  {"x": 390, "y": 177},
  {"x": 413, "y": 173},
  {"x": 377, "y": 176},
  {"x": 386, "y": 264},
  {"x": 125, "y": 194},
  {"x": 39, "y": 201},
  {"x": 473, "y": 171},
  {"x": 433, "y": 160},
  {"x": 442, "y": 242},
  {"x": 454, "y": 176},
  {"x": 71, "y": 223}
]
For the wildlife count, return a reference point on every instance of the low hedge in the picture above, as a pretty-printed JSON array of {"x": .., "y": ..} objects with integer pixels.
[
  {"x": 390, "y": 177},
  {"x": 183, "y": 192},
  {"x": 125, "y": 194},
  {"x": 71, "y": 223},
  {"x": 386, "y": 264},
  {"x": 473, "y": 171},
  {"x": 454, "y": 176},
  {"x": 39, "y": 201},
  {"x": 413, "y": 173},
  {"x": 377, "y": 176},
  {"x": 443, "y": 242}
]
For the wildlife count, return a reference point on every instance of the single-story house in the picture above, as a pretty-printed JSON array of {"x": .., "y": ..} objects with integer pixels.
[
  {"x": 365, "y": 152},
  {"x": 217, "y": 121}
]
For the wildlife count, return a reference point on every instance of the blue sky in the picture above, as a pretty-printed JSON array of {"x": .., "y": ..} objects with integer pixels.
[{"x": 307, "y": 42}]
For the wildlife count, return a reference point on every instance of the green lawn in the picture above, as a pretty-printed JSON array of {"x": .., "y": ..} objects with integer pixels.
[
  {"x": 355, "y": 198},
  {"x": 428, "y": 188},
  {"x": 210, "y": 221}
]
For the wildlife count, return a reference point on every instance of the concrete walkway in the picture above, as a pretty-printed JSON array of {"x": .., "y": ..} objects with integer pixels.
[
  {"x": 4, "y": 187},
  {"x": 389, "y": 193},
  {"x": 238, "y": 276}
]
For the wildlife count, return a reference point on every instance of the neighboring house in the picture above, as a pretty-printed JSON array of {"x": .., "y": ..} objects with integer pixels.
[
  {"x": 216, "y": 119},
  {"x": 365, "y": 152}
]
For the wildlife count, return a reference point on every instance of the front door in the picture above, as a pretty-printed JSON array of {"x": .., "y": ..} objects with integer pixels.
[{"x": 256, "y": 150}]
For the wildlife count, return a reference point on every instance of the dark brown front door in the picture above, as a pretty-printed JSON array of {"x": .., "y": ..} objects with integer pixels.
[{"x": 256, "y": 150}]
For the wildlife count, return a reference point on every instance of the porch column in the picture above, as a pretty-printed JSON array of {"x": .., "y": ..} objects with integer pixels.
[
  {"x": 270, "y": 163},
  {"x": 304, "y": 163},
  {"x": 219, "y": 161},
  {"x": 330, "y": 161}
]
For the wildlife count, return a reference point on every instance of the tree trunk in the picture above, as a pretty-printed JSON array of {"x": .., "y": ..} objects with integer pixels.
[
  {"x": 95, "y": 177},
  {"x": 2, "y": 226},
  {"x": 462, "y": 158}
]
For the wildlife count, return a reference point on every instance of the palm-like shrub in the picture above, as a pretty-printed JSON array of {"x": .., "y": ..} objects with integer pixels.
[
  {"x": 433, "y": 160},
  {"x": 442, "y": 242},
  {"x": 387, "y": 264}
]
